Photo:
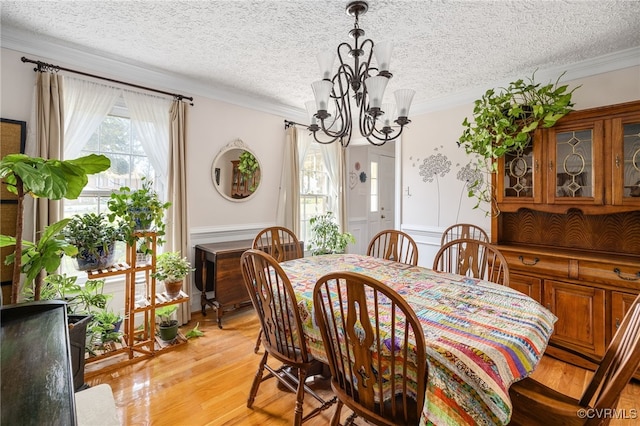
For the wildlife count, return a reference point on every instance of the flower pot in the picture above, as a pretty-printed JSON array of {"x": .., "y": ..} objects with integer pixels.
[
  {"x": 168, "y": 332},
  {"x": 86, "y": 261},
  {"x": 142, "y": 217},
  {"x": 77, "y": 342},
  {"x": 173, "y": 288}
]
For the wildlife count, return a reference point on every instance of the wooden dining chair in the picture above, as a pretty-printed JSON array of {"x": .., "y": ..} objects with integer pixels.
[
  {"x": 537, "y": 404},
  {"x": 375, "y": 347},
  {"x": 283, "y": 337},
  {"x": 463, "y": 230},
  {"x": 473, "y": 258},
  {"x": 395, "y": 245},
  {"x": 282, "y": 244}
]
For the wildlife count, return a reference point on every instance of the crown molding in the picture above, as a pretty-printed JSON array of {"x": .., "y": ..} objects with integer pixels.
[
  {"x": 589, "y": 67},
  {"x": 88, "y": 61},
  {"x": 84, "y": 60}
]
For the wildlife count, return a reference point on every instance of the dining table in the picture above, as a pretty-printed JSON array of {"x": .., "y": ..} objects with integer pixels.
[{"x": 481, "y": 337}]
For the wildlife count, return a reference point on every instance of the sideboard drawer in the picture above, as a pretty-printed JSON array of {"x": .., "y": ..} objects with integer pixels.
[
  {"x": 615, "y": 273},
  {"x": 537, "y": 264}
]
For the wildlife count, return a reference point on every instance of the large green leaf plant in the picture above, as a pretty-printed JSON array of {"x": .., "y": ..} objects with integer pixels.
[{"x": 23, "y": 175}]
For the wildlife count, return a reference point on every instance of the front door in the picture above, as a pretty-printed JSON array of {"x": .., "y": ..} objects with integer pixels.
[{"x": 381, "y": 205}]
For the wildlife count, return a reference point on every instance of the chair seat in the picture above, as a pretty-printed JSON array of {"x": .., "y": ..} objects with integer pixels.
[{"x": 535, "y": 403}]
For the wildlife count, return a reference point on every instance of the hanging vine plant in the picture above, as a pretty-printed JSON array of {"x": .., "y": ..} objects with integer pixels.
[{"x": 504, "y": 121}]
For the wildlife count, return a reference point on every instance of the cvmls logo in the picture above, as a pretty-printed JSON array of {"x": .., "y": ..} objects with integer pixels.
[{"x": 607, "y": 413}]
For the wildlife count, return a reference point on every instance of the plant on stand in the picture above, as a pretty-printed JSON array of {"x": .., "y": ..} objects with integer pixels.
[
  {"x": 172, "y": 268},
  {"x": 504, "y": 121},
  {"x": 138, "y": 210},
  {"x": 326, "y": 237},
  {"x": 105, "y": 331},
  {"x": 167, "y": 324},
  {"x": 95, "y": 238}
]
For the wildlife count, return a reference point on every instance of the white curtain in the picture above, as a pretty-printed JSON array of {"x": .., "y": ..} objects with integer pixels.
[
  {"x": 150, "y": 119},
  {"x": 333, "y": 155},
  {"x": 288, "y": 211},
  {"x": 86, "y": 105}
]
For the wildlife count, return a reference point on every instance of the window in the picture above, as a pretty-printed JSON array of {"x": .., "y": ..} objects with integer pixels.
[
  {"x": 373, "y": 181},
  {"x": 116, "y": 139},
  {"x": 315, "y": 189}
]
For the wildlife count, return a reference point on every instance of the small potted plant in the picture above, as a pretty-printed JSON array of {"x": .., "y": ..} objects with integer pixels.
[
  {"x": 326, "y": 237},
  {"x": 504, "y": 120},
  {"x": 172, "y": 268},
  {"x": 95, "y": 238},
  {"x": 105, "y": 328},
  {"x": 167, "y": 325},
  {"x": 138, "y": 210}
]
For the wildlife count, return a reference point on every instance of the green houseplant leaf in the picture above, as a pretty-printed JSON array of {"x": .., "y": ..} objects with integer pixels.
[
  {"x": 45, "y": 178},
  {"x": 504, "y": 120},
  {"x": 136, "y": 210},
  {"x": 326, "y": 237}
]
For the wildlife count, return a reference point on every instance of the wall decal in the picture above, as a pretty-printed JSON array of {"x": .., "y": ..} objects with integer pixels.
[{"x": 433, "y": 166}]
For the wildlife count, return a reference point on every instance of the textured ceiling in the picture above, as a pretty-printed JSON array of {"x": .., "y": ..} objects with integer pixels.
[{"x": 266, "y": 49}]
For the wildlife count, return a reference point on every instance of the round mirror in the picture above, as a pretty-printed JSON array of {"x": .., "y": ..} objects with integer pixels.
[{"x": 236, "y": 172}]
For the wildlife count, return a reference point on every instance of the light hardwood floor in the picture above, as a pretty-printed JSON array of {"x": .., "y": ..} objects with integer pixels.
[{"x": 206, "y": 382}]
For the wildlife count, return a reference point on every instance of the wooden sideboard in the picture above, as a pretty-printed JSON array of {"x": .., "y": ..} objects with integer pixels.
[
  {"x": 218, "y": 271},
  {"x": 569, "y": 225}
]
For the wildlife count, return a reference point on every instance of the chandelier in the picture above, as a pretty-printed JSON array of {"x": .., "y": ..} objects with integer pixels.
[{"x": 361, "y": 83}]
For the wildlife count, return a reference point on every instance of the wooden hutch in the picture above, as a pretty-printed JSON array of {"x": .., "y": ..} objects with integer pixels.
[{"x": 569, "y": 224}]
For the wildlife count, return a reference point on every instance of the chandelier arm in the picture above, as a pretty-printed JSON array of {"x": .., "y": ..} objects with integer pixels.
[
  {"x": 324, "y": 142},
  {"x": 385, "y": 139},
  {"x": 344, "y": 72},
  {"x": 366, "y": 65},
  {"x": 366, "y": 122}
]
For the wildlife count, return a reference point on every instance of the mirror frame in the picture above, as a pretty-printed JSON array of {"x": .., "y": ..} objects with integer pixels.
[{"x": 234, "y": 145}]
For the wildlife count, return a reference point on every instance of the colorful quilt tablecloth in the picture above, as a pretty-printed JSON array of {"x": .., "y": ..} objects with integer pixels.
[{"x": 481, "y": 337}]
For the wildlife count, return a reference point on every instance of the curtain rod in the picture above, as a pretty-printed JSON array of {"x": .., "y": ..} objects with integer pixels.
[
  {"x": 289, "y": 123},
  {"x": 41, "y": 65}
]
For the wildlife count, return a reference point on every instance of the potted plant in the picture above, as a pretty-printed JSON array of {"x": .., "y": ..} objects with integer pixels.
[
  {"x": 45, "y": 178},
  {"x": 167, "y": 325},
  {"x": 95, "y": 238},
  {"x": 504, "y": 120},
  {"x": 105, "y": 329},
  {"x": 138, "y": 211},
  {"x": 172, "y": 269},
  {"x": 326, "y": 237}
]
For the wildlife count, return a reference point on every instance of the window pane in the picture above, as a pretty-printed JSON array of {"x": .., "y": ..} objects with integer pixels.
[
  {"x": 374, "y": 186},
  {"x": 315, "y": 189},
  {"x": 115, "y": 135}
]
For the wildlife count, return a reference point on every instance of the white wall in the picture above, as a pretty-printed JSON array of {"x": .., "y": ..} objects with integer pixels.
[{"x": 442, "y": 200}]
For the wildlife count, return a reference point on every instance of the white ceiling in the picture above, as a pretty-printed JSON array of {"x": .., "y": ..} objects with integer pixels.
[{"x": 266, "y": 50}]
